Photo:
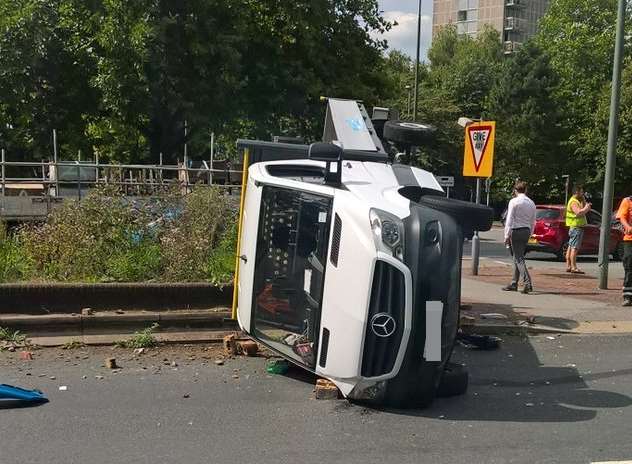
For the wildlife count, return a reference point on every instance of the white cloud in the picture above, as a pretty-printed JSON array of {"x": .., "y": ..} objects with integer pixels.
[{"x": 404, "y": 36}]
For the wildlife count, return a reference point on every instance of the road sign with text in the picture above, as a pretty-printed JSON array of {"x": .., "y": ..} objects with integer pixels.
[
  {"x": 445, "y": 181},
  {"x": 479, "y": 149}
]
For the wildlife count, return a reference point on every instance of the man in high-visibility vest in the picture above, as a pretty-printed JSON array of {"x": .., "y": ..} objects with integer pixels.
[
  {"x": 576, "y": 211},
  {"x": 624, "y": 214}
]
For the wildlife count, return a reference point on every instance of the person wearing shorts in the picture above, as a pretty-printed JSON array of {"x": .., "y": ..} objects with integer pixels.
[
  {"x": 576, "y": 211},
  {"x": 624, "y": 214}
]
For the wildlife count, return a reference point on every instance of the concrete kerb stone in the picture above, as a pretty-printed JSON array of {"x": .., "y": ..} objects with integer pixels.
[{"x": 81, "y": 323}]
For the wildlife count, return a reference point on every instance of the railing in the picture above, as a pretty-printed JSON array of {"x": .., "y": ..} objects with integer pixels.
[{"x": 49, "y": 182}]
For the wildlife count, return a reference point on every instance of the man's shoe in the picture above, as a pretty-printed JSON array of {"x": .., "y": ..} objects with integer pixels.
[
  {"x": 627, "y": 302},
  {"x": 511, "y": 288},
  {"x": 527, "y": 289}
]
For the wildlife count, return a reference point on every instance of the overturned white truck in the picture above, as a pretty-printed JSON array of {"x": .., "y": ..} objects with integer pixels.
[{"x": 350, "y": 265}]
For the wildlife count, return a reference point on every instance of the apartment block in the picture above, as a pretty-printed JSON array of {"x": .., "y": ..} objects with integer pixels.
[{"x": 516, "y": 20}]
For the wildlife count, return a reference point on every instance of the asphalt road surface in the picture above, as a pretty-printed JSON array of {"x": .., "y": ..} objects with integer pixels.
[
  {"x": 544, "y": 399},
  {"x": 493, "y": 252}
]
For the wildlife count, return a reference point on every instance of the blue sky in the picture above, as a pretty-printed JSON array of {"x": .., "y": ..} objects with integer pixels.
[{"x": 404, "y": 36}]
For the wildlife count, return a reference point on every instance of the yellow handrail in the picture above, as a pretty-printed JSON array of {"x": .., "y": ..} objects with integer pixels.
[{"x": 244, "y": 181}]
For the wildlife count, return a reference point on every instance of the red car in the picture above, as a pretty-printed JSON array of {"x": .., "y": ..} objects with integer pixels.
[{"x": 551, "y": 234}]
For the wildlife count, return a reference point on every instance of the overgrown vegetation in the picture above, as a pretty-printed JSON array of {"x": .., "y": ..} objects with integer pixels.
[
  {"x": 143, "y": 339},
  {"x": 12, "y": 336},
  {"x": 108, "y": 238}
]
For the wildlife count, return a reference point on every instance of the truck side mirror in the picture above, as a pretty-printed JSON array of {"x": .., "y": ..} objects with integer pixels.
[{"x": 329, "y": 153}]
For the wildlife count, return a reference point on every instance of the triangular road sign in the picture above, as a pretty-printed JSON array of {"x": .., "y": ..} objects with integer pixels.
[{"x": 479, "y": 149}]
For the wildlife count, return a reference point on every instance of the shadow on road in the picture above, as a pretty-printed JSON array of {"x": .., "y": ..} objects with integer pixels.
[
  {"x": 19, "y": 404},
  {"x": 511, "y": 385}
]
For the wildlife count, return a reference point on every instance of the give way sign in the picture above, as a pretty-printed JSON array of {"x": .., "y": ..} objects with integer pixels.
[{"x": 479, "y": 149}]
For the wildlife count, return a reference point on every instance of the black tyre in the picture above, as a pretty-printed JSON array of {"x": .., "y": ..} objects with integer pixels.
[
  {"x": 454, "y": 381},
  {"x": 617, "y": 254},
  {"x": 409, "y": 133},
  {"x": 469, "y": 215},
  {"x": 561, "y": 254}
]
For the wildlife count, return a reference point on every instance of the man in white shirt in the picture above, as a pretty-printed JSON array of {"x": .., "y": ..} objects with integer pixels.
[{"x": 518, "y": 228}]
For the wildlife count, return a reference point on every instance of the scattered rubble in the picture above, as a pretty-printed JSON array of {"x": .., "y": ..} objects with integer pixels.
[
  {"x": 110, "y": 363},
  {"x": 249, "y": 347},
  {"x": 326, "y": 390},
  {"x": 230, "y": 345},
  {"x": 87, "y": 312}
]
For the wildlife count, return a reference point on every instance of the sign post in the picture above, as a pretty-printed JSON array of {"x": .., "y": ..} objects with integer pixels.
[
  {"x": 447, "y": 182},
  {"x": 478, "y": 161}
]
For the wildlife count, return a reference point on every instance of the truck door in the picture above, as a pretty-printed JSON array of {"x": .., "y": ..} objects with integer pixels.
[{"x": 289, "y": 267}]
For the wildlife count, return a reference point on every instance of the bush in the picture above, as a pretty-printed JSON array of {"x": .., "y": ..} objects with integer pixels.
[
  {"x": 106, "y": 237},
  {"x": 14, "y": 262},
  {"x": 221, "y": 264},
  {"x": 189, "y": 246}
]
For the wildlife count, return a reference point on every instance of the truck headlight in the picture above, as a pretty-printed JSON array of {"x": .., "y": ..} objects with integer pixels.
[{"x": 388, "y": 232}]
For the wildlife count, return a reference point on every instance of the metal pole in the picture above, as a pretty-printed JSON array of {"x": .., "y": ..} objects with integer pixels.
[
  {"x": 488, "y": 188},
  {"x": 608, "y": 187},
  {"x": 408, "y": 88},
  {"x": 210, "y": 175},
  {"x": 3, "y": 175},
  {"x": 475, "y": 239},
  {"x": 186, "y": 158},
  {"x": 55, "y": 158},
  {"x": 416, "y": 96},
  {"x": 566, "y": 186}
]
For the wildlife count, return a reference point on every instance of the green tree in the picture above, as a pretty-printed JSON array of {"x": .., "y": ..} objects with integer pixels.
[
  {"x": 45, "y": 68},
  {"x": 530, "y": 137}
]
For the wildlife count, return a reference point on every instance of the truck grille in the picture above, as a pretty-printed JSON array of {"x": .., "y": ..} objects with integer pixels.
[
  {"x": 335, "y": 241},
  {"x": 387, "y": 304}
]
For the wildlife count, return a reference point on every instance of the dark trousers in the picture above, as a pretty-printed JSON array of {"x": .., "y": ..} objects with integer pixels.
[
  {"x": 519, "y": 239},
  {"x": 627, "y": 267}
]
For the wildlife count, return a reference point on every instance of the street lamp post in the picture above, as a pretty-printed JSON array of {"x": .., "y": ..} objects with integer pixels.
[
  {"x": 608, "y": 184},
  {"x": 566, "y": 186},
  {"x": 408, "y": 88},
  {"x": 414, "y": 118}
]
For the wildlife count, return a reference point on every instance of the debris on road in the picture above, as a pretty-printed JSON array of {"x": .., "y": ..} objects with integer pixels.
[
  {"x": 87, "y": 312},
  {"x": 497, "y": 316},
  {"x": 230, "y": 345},
  {"x": 9, "y": 392},
  {"x": 249, "y": 347},
  {"x": 277, "y": 366},
  {"x": 219, "y": 362},
  {"x": 481, "y": 342},
  {"x": 326, "y": 390},
  {"x": 99, "y": 377},
  {"x": 26, "y": 356},
  {"x": 110, "y": 363},
  {"x": 140, "y": 351},
  {"x": 63, "y": 388}
]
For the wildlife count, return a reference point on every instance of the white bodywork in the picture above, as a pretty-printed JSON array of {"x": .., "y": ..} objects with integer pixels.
[{"x": 347, "y": 287}]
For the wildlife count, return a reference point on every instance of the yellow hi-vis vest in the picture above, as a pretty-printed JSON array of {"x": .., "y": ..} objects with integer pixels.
[{"x": 572, "y": 220}]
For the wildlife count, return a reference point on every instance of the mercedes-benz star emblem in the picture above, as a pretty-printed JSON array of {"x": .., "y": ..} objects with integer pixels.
[{"x": 383, "y": 325}]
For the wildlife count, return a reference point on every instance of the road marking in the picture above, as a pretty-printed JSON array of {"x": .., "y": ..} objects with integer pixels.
[{"x": 612, "y": 462}]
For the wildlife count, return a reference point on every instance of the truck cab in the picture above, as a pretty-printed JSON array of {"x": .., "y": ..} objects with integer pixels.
[{"x": 350, "y": 267}]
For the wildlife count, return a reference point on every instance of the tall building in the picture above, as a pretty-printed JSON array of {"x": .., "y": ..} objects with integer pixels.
[{"x": 517, "y": 20}]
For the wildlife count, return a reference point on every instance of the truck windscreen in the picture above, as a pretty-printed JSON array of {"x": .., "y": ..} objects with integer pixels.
[{"x": 292, "y": 243}]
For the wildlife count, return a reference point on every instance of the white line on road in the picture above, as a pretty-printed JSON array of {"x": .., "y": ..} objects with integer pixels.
[{"x": 611, "y": 462}]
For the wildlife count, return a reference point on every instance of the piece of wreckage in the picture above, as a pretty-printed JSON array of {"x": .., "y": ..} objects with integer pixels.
[{"x": 349, "y": 264}]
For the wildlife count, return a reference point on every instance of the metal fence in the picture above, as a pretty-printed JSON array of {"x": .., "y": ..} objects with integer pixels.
[{"x": 29, "y": 189}]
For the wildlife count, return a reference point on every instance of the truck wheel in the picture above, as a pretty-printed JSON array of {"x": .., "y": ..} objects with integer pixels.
[
  {"x": 454, "y": 381},
  {"x": 409, "y": 133},
  {"x": 417, "y": 388},
  {"x": 469, "y": 215}
]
